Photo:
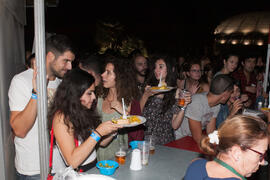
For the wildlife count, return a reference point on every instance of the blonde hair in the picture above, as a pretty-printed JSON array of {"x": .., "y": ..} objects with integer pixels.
[{"x": 239, "y": 130}]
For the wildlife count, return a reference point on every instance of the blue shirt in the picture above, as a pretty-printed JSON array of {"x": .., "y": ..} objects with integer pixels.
[
  {"x": 197, "y": 171},
  {"x": 223, "y": 114}
]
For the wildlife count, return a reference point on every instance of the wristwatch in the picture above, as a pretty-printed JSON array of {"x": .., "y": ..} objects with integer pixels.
[
  {"x": 33, "y": 91},
  {"x": 183, "y": 108}
]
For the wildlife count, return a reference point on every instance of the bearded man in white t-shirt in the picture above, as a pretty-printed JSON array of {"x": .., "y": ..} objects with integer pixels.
[{"x": 23, "y": 104}]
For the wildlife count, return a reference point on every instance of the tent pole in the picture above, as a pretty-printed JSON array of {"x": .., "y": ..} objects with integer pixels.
[
  {"x": 39, "y": 20},
  {"x": 265, "y": 82}
]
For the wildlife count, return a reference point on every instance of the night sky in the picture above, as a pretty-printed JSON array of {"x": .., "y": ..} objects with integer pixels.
[{"x": 165, "y": 26}]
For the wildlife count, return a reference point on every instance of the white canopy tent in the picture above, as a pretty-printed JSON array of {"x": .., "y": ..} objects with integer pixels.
[{"x": 252, "y": 28}]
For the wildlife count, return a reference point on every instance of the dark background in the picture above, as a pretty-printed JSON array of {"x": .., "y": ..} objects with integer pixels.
[{"x": 169, "y": 26}]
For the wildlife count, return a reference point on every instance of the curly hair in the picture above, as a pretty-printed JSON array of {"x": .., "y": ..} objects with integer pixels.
[
  {"x": 124, "y": 78},
  {"x": 67, "y": 103},
  {"x": 169, "y": 97}
]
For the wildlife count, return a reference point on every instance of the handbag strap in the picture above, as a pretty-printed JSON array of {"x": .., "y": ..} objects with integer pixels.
[
  {"x": 227, "y": 166},
  {"x": 51, "y": 150}
]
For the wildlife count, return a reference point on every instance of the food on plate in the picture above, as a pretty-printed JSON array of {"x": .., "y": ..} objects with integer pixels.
[
  {"x": 129, "y": 120},
  {"x": 121, "y": 121},
  {"x": 265, "y": 109},
  {"x": 164, "y": 87}
]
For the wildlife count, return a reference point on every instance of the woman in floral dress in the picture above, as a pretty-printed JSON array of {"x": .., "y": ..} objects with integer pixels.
[{"x": 161, "y": 110}]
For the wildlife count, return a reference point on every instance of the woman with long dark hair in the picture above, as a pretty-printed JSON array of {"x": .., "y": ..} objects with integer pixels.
[
  {"x": 161, "y": 110},
  {"x": 73, "y": 118}
]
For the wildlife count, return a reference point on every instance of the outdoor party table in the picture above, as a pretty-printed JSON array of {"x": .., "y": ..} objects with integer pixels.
[
  {"x": 167, "y": 163},
  {"x": 186, "y": 143}
]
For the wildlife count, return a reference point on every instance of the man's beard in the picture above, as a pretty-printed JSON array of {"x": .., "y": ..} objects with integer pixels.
[
  {"x": 140, "y": 73},
  {"x": 56, "y": 73}
]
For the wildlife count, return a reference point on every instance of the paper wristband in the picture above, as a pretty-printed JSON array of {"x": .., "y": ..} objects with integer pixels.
[
  {"x": 95, "y": 136},
  {"x": 34, "y": 96}
]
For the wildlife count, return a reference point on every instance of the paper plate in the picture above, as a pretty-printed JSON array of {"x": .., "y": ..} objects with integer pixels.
[
  {"x": 143, "y": 120},
  {"x": 94, "y": 177},
  {"x": 154, "y": 89}
]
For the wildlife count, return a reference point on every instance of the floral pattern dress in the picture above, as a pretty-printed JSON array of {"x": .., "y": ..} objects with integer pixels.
[{"x": 159, "y": 123}]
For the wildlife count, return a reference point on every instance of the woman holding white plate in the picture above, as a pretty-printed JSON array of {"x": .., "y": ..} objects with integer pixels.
[
  {"x": 117, "y": 84},
  {"x": 160, "y": 108}
]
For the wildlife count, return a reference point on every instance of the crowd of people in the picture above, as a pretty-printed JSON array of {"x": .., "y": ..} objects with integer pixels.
[{"x": 85, "y": 98}]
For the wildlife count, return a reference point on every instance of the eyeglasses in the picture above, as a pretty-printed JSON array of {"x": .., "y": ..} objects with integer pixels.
[
  {"x": 262, "y": 155},
  {"x": 194, "y": 70}
]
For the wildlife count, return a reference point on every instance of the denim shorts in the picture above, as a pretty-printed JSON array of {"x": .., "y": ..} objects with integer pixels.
[{"x": 26, "y": 177}]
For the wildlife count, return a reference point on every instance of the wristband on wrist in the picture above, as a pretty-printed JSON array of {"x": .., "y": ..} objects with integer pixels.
[
  {"x": 34, "y": 96},
  {"x": 95, "y": 136}
]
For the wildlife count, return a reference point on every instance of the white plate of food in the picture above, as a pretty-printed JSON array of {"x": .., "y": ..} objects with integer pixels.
[
  {"x": 161, "y": 89},
  {"x": 131, "y": 121}
]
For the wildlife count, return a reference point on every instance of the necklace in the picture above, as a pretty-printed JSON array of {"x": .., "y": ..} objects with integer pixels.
[{"x": 227, "y": 166}]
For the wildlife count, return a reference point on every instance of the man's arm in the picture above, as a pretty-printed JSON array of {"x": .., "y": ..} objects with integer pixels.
[
  {"x": 211, "y": 126},
  {"x": 22, "y": 121},
  {"x": 195, "y": 129}
]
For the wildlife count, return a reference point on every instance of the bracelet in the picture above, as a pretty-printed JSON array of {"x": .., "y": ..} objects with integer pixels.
[
  {"x": 34, "y": 96},
  {"x": 95, "y": 136},
  {"x": 183, "y": 108},
  {"x": 98, "y": 133}
]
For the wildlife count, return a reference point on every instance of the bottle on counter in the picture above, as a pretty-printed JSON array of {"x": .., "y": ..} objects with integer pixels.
[
  {"x": 265, "y": 104},
  {"x": 260, "y": 105}
]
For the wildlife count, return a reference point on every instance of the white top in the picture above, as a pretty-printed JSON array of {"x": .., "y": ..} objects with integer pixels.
[
  {"x": 27, "y": 148},
  {"x": 59, "y": 162}
]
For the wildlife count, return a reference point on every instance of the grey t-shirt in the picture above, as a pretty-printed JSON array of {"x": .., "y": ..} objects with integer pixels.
[
  {"x": 218, "y": 73},
  {"x": 198, "y": 110}
]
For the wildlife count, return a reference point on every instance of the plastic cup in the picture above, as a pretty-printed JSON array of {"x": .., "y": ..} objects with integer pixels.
[
  {"x": 144, "y": 147},
  {"x": 181, "y": 101},
  {"x": 151, "y": 140},
  {"x": 120, "y": 157}
]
